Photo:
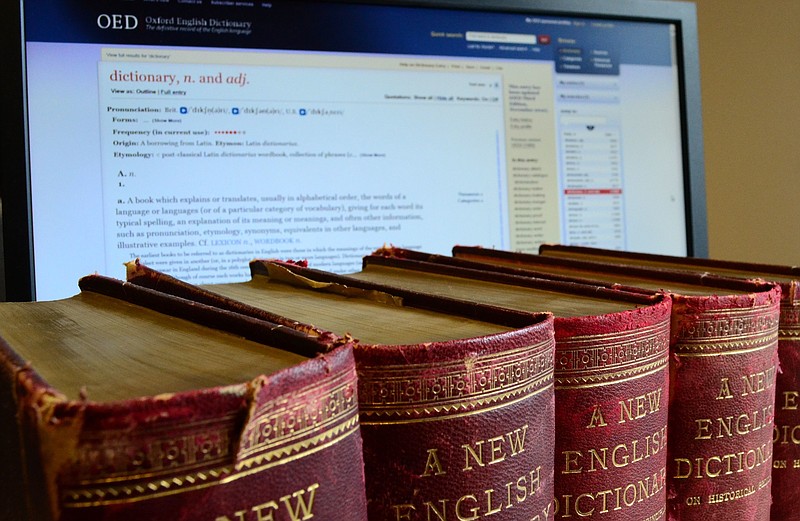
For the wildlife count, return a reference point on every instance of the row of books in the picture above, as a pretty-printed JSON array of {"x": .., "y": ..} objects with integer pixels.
[{"x": 577, "y": 383}]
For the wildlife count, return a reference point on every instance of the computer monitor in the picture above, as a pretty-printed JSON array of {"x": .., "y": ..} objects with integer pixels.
[{"x": 200, "y": 134}]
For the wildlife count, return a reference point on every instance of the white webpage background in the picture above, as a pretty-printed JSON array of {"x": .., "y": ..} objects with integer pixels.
[
  {"x": 64, "y": 134},
  {"x": 376, "y": 150},
  {"x": 68, "y": 190},
  {"x": 317, "y": 164},
  {"x": 646, "y": 114},
  {"x": 651, "y": 143}
]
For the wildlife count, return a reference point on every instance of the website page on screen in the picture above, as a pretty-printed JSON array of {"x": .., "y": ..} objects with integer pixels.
[{"x": 201, "y": 140}]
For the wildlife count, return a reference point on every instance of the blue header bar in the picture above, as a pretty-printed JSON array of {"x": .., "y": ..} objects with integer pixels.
[{"x": 575, "y": 45}]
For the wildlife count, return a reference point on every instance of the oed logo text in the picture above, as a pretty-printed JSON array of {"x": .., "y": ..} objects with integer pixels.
[{"x": 117, "y": 21}]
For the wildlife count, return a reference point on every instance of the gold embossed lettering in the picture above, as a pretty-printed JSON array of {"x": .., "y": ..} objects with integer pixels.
[
  {"x": 710, "y": 473},
  {"x": 731, "y": 495},
  {"x": 725, "y": 390},
  {"x": 440, "y": 514},
  {"x": 261, "y": 515},
  {"x": 496, "y": 454},
  {"x": 597, "y": 419},
  {"x": 589, "y": 504},
  {"x": 724, "y": 427},
  {"x": 517, "y": 446},
  {"x": 508, "y": 492},
  {"x": 623, "y": 460},
  {"x": 522, "y": 488},
  {"x": 640, "y": 406},
  {"x": 535, "y": 481},
  {"x": 730, "y": 426},
  {"x": 474, "y": 453},
  {"x": 545, "y": 515},
  {"x": 603, "y": 496},
  {"x": 489, "y": 508},
  {"x": 300, "y": 503},
  {"x": 703, "y": 429},
  {"x": 723, "y": 465},
  {"x": 579, "y": 510},
  {"x": 474, "y": 505},
  {"x": 476, "y": 456},
  {"x": 302, "y": 509},
  {"x": 621, "y": 455},
  {"x": 743, "y": 424},
  {"x": 683, "y": 468},
  {"x": 786, "y": 434},
  {"x": 403, "y": 511},
  {"x": 571, "y": 461},
  {"x": 779, "y": 464},
  {"x": 790, "y": 400},
  {"x": 433, "y": 466},
  {"x": 758, "y": 382},
  {"x": 566, "y": 501},
  {"x": 601, "y": 457},
  {"x": 473, "y": 513}
]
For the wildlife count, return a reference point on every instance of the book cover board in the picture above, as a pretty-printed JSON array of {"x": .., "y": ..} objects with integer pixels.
[
  {"x": 455, "y": 398},
  {"x": 122, "y": 403}
]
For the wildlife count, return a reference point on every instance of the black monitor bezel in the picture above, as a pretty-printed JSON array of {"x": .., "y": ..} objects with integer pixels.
[{"x": 16, "y": 242}]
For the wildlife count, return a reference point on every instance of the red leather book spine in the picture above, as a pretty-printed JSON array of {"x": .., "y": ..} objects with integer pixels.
[
  {"x": 282, "y": 447},
  {"x": 722, "y": 406},
  {"x": 786, "y": 430},
  {"x": 460, "y": 429},
  {"x": 612, "y": 395},
  {"x": 786, "y": 434}
]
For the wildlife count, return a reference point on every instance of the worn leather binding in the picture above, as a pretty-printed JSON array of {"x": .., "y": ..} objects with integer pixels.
[
  {"x": 724, "y": 362},
  {"x": 461, "y": 428},
  {"x": 786, "y": 432},
  {"x": 611, "y": 379},
  {"x": 458, "y": 428},
  {"x": 285, "y": 444}
]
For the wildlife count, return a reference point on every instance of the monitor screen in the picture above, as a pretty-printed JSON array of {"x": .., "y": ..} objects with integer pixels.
[{"x": 197, "y": 135}]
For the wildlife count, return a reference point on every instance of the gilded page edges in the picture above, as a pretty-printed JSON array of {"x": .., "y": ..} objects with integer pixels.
[
  {"x": 409, "y": 393},
  {"x": 281, "y": 274},
  {"x": 721, "y": 332},
  {"x": 125, "y": 466},
  {"x": 594, "y": 360}
]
